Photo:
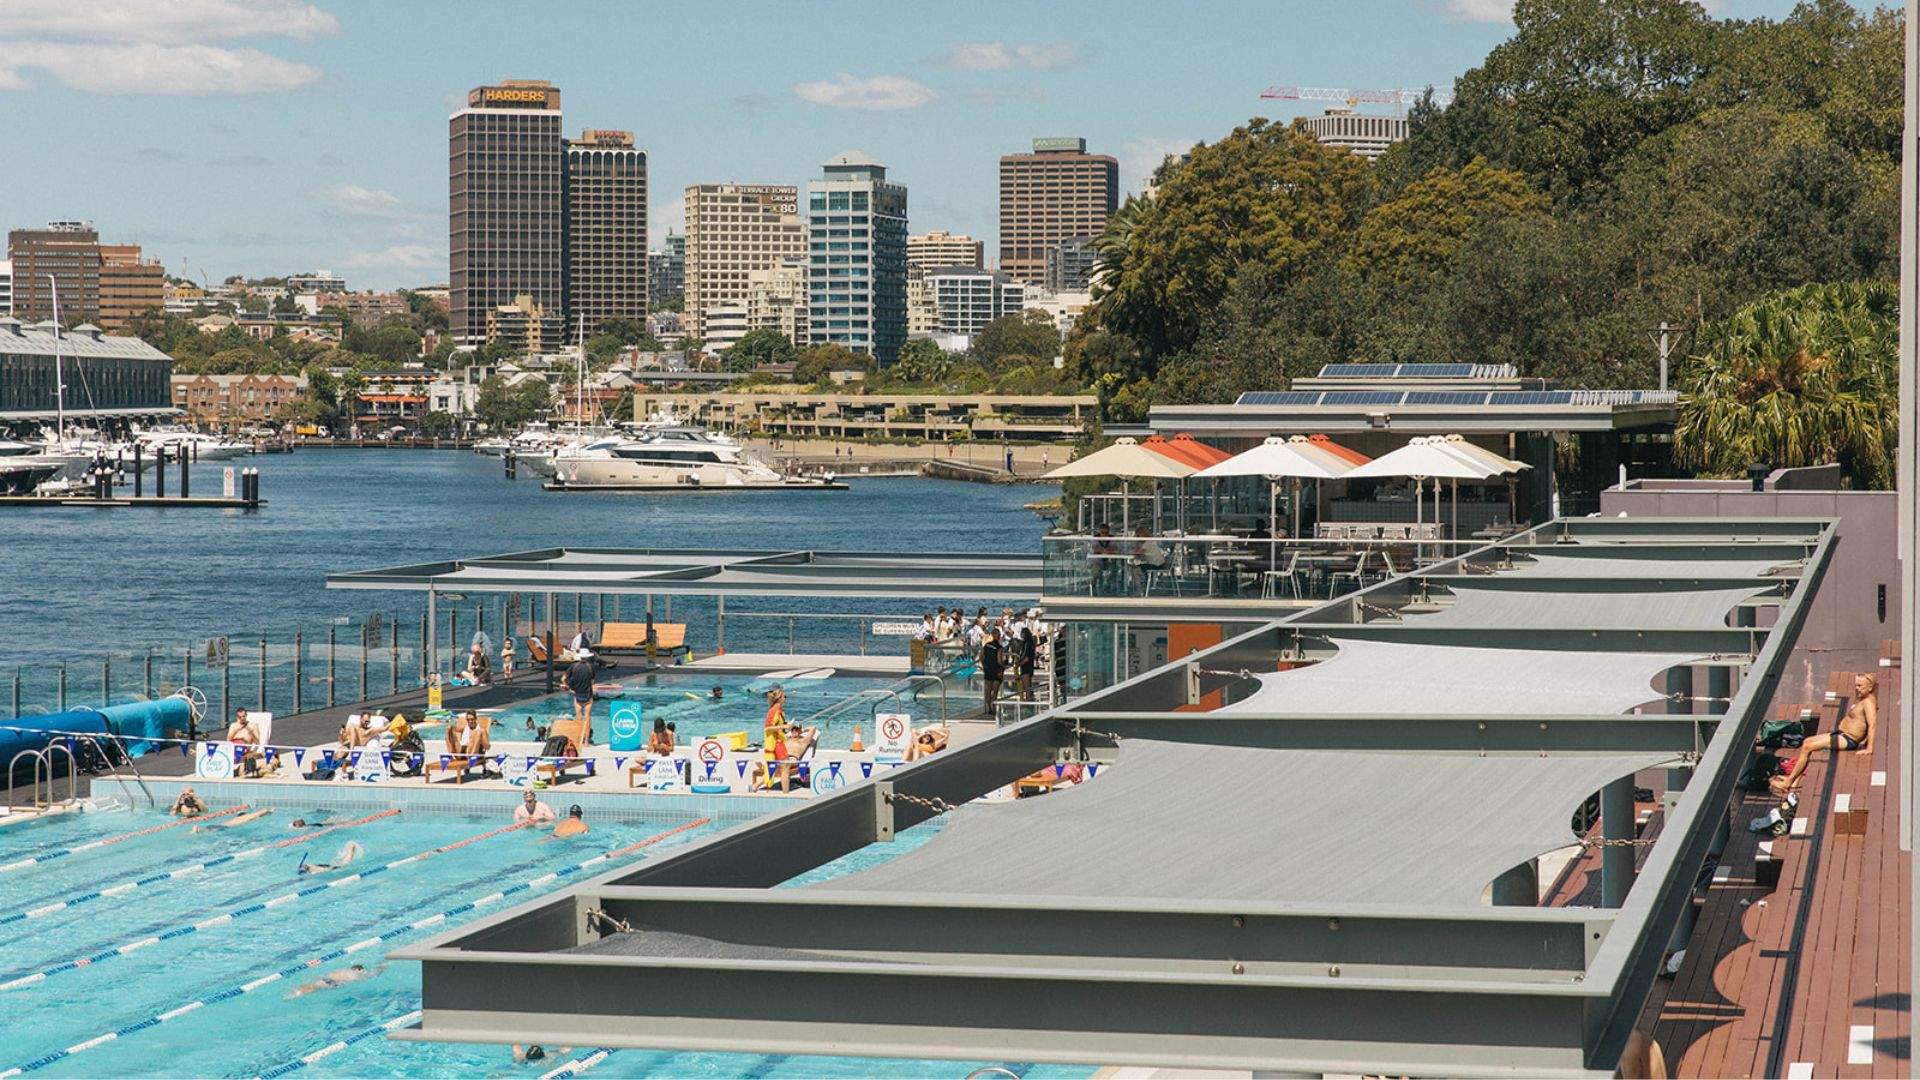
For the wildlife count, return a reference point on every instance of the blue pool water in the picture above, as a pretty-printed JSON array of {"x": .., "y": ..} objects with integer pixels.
[
  {"x": 247, "y": 1034},
  {"x": 685, "y": 700}
]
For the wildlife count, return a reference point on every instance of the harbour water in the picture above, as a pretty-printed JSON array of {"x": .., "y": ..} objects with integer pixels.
[{"x": 79, "y": 584}]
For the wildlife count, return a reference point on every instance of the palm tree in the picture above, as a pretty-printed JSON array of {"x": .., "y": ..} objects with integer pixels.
[
  {"x": 1110, "y": 248},
  {"x": 1801, "y": 377}
]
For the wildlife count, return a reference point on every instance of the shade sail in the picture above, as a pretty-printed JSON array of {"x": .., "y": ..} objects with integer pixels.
[
  {"x": 1279, "y": 457},
  {"x": 1125, "y": 457},
  {"x": 1548, "y": 564},
  {"x": 1385, "y": 678},
  {"x": 1493, "y": 608},
  {"x": 1173, "y": 819},
  {"x": 1424, "y": 459}
]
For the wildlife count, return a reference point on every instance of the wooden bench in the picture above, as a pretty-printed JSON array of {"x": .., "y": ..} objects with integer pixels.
[{"x": 631, "y": 637}]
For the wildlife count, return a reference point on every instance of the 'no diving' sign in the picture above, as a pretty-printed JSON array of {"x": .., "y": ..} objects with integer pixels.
[{"x": 713, "y": 751}]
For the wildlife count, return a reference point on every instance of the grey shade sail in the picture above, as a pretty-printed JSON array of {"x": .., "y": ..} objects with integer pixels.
[
  {"x": 1606, "y": 566},
  {"x": 1678, "y": 609},
  {"x": 1172, "y": 820},
  {"x": 1374, "y": 678}
]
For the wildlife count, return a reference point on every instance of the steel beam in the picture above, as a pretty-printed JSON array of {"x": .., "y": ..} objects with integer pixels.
[{"x": 1609, "y": 733}]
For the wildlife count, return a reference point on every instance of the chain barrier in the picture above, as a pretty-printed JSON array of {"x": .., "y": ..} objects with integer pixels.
[
  {"x": 606, "y": 923},
  {"x": 938, "y": 806},
  {"x": 1377, "y": 609}
]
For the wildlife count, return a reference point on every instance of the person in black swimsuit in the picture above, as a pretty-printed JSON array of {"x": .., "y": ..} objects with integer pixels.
[{"x": 1855, "y": 732}]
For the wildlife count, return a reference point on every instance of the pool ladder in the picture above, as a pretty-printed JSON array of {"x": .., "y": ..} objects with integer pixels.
[
  {"x": 44, "y": 777},
  {"x": 874, "y": 697}
]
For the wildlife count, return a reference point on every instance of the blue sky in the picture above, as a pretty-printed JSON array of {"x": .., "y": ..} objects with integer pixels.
[{"x": 272, "y": 136}]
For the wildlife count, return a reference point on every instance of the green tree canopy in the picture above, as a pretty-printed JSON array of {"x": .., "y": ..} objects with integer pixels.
[
  {"x": 506, "y": 408},
  {"x": 1417, "y": 232},
  {"x": 1020, "y": 334},
  {"x": 764, "y": 345}
]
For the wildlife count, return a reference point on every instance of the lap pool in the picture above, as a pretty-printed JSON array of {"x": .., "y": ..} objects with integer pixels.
[{"x": 134, "y": 946}]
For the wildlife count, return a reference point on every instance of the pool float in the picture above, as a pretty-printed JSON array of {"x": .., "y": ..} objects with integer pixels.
[
  {"x": 608, "y": 689},
  {"x": 710, "y": 789}
]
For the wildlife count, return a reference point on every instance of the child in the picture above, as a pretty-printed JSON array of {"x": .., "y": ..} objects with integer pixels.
[{"x": 506, "y": 659}]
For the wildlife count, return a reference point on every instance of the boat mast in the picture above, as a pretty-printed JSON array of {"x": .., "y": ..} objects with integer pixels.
[
  {"x": 59, "y": 372},
  {"x": 580, "y": 379}
]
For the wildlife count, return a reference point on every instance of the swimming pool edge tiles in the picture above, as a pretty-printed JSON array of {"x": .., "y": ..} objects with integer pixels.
[{"x": 446, "y": 799}]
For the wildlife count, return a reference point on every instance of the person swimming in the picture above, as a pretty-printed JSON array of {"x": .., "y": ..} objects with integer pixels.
[
  {"x": 349, "y": 852},
  {"x": 334, "y": 979}
]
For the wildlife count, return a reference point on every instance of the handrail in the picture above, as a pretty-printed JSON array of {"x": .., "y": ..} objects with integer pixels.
[
  {"x": 36, "y": 777},
  {"x": 73, "y": 772},
  {"x": 108, "y": 759}
]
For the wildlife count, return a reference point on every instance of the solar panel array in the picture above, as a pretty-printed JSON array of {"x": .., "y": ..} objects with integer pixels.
[
  {"x": 1418, "y": 371},
  {"x": 1454, "y": 398}
]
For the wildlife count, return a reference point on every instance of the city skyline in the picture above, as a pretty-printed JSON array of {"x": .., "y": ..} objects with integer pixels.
[{"x": 272, "y": 136}]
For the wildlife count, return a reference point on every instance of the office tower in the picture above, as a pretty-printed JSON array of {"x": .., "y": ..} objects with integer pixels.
[
  {"x": 732, "y": 231},
  {"x": 1070, "y": 265},
  {"x": 130, "y": 286},
  {"x": 1057, "y": 192},
  {"x": 70, "y": 252},
  {"x": 969, "y": 299},
  {"x": 923, "y": 315},
  {"x": 606, "y": 264},
  {"x": 1368, "y": 136},
  {"x": 777, "y": 299},
  {"x": 938, "y": 250},
  {"x": 857, "y": 252},
  {"x": 6, "y": 287},
  {"x": 667, "y": 271},
  {"x": 505, "y": 214}
]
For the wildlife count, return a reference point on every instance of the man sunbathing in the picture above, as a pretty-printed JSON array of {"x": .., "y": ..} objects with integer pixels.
[
  {"x": 245, "y": 734},
  {"x": 469, "y": 737},
  {"x": 359, "y": 731},
  {"x": 1854, "y": 733}
]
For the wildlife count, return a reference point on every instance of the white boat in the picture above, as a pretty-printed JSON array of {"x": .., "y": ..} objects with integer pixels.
[
  {"x": 69, "y": 460},
  {"x": 23, "y": 469},
  {"x": 492, "y": 447},
  {"x": 679, "y": 457},
  {"x": 197, "y": 446}
]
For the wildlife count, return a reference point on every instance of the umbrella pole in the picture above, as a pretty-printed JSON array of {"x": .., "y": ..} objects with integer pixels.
[
  {"x": 1273, "y": 508},
  {"x": 1453, "y": 493},
  {"x": 1126, "y": 501},
  {"x": 1213, "y": 498}
]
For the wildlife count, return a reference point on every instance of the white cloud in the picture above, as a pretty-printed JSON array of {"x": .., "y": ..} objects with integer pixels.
[
  {"x": 1482, "y": 10},
  {"x": 881, "y": 93},
  {"x": 668, "y": 215},
  {"x": 397, "y": 257},
  {"x": 156, "y": 46},
  {"x": 162, "y": 22},
  {"x": 1139, "y": 157},
  {"x": 999, "y": 56},
  {"x": 991, "y": 97},
  {"x": 362, "y": 202},
  {"x": 152, "y": 69}
]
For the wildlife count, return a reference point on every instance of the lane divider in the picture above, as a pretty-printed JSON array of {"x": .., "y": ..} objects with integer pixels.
[
  {"x": 242, "y": 912},
  {"x": 37, "y": 860},
  {"x": 125, "y": 887},
  {"x": 333, "y": 1048},
  {"x": 304, "y": 966},
  {"x": 580, "y": 1064}
]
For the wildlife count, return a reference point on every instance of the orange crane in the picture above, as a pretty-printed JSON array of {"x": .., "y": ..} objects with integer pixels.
[{"x": 1352, "y": 96}]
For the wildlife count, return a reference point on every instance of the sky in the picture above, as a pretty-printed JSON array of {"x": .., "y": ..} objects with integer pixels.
[{"x": 266, "y": 137}]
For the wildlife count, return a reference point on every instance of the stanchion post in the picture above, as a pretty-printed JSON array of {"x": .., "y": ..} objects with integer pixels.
[
  {"x": 184, "y": 490},
  {"x": 393, "y": 655},
  {"x": 423, "y": 648},
  {"x": 160, "y": 472},
  {"x": 363, "y": 661},
  {"x": 226, "y": 693},
  {"x": 16, "y": 694},
  {"x": 299, "y": 653},
  {"x": 333, "y": 647},
  {"x": 148, "y": 681},
  {"x": 263, "y": 674},
  {"x": 63, "y": 686},
  {"x": 106, "y": 683}
]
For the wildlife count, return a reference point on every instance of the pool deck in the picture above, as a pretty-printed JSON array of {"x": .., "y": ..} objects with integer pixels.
[{"x": 841, "y": 663}]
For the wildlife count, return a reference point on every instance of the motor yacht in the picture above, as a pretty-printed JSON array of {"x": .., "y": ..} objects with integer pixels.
[{"x": 679, "y": 457}]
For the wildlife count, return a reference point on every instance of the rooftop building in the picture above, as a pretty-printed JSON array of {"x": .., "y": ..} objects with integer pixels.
[
  {"x": 105, "y": 376},
  {"x": 606, "y": 182},
  {"x": 857, "y": 251},
  {"x": 1368, "y": 136},
  {"x": 506, "y": 214},
  {"x": 969, "y": 299},
  {"x": 734, "y": 230},
  {"x": 929, "y": 251},
  {"x": 1056, "y": 193}
]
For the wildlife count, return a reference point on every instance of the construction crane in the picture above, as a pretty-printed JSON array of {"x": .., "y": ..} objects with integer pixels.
[{"x": 1352, "y": 96}]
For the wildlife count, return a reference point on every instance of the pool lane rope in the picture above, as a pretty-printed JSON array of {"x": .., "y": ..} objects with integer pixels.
[
  {"x": 308, "y": 965},
  {"x": 580, "y": 1064},
  {"x": 249, "y": 909},
  {"x": 335, "y": 1047},
  {"x": 190, "y": 869},
  {"x": 22, "y": 864}
]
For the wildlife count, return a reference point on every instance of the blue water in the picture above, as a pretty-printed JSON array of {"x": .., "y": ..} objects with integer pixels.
[
  {"x": 80, "y": 584},
  {"x": 250, "y": 1033}
]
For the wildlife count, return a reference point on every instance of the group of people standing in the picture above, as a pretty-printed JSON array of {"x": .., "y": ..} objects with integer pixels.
[{"x": 1008, "y": 650}]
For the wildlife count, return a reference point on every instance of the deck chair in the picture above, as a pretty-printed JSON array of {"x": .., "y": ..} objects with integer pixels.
[
  {"x": 457, "y": 764},
  {"x": 575, "y": 732}
]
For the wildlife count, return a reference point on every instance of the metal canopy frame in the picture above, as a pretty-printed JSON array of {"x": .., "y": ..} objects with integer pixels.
[{"x": 1401, "y": 989}]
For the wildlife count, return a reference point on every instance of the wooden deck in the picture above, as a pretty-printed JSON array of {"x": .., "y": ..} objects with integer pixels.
[{"x": 1807, "y": 977}]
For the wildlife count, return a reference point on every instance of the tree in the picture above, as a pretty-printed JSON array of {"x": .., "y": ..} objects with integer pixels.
[
  {"x": 1416, "y": 233},
  {"x": 504, "y": 408},
  {"x": 624, "y": 331},
  {"x": 1801, "y": 377},
  {"x": 760, "y": 346},
  {"x": 922, "y": 363},
  {"x": 437, "y": 424},
  {"x": 1022, "y": 333},
  {"x": 1267, "y": 195},
  {"x": 392, "y": 342},
  {"x": 813, "y": 365}
]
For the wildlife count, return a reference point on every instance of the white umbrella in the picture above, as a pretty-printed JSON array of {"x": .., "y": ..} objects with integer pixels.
[
  {"x": 1273, "y": 459},
  {"x": 1127, "y": 459},
  {"x": 1425, "y": 459}
]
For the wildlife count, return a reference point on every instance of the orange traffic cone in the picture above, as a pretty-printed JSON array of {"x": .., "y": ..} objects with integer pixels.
[{"x": 857, "y": 744}]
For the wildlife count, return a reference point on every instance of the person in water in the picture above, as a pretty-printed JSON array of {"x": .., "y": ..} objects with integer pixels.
[
  {"x": 188, "y": 804},
  {"x": 571, "y": 825},
  {"x": 349, "y": 853},
  {"x": 1854, "y": 733},
  {"x": 334, "y": 979}
]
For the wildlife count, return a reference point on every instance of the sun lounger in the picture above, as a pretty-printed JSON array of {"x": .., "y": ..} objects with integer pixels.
[
  {"x": 575, "y": 732},
  {"x": 631, "y": 637},
  {"x": 458, "y": 764}
]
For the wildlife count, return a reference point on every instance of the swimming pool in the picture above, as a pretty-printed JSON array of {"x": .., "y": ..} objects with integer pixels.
[
  {"x": 685, "y": 699},
  {"x": 174, "y": 952}
]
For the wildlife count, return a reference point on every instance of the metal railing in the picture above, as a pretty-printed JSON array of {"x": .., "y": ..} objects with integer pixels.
[{"x": 1233, "y": 566}]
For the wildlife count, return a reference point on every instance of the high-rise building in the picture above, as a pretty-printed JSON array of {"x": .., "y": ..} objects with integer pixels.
[
  {"x": 777, "y": 299},
  {"x": 969, "y": 299},
  {"x": 1070, "y": 265},
  {"x": 1368, "y": 136},
  {"x": 667, "y": 271},
  {"x": 1057, "y": 192},
  {"x": 606, "y": 264},
  {"x": 69, "y": 251},
  {"x": 935, "y": 250},
  {"x": 923, "y": 315},
  {"x": 525, "y": 325},
  {"x": 6, "y": 287},
  {"x": 732, "y": 231},
  {"x": 505, "y": 212},
  {"x": 130, "y": 286},
  {"x": 857, "y": 258},
  {"x": 726, "y": 324}
]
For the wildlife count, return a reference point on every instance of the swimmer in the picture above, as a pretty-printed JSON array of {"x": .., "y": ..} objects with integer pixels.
[
  {"x": 249, "y": 816},
  {"x": 571, "y": 825},
  {"x": 333, "y": 979},
  {"x": 719, "y": 692},
  {"x": 188, "y": 804},
  {"x": 349, "y": 852}
]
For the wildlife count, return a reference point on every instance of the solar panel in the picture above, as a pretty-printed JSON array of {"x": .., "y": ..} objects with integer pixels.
[
  {"x": 1531, "y": 397},
  {"x": 1446, "y": 397},
  {"x": 1434, "y": 371},
  {"x": 1357, "y": 371},
  {"x": 1361, "y": 397},
  {"x": 1279, "y": 397}
]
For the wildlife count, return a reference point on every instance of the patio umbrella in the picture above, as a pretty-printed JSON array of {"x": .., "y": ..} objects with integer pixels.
[
  {"x": 1127, "y": 459},
  {"x": 1501, "y": 466},
  {"x": 1421, "y": 460},
  {"x": 1276, "y": 458}
]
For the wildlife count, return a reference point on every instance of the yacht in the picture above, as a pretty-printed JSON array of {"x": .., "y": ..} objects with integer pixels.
[
  {"x": 197, "y": 446},
  {"x": 673, "y": 458},
  {"x": 25, "y": 466}
]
